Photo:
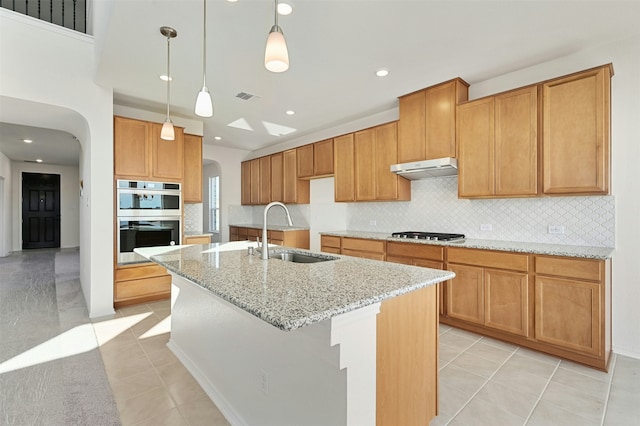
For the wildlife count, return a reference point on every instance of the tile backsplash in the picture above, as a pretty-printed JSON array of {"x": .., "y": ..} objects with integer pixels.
[
  {"x": 193, "y": 221},
  {"x": 435, "y": 207}
]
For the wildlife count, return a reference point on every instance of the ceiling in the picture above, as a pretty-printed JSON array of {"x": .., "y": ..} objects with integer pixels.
[{"x": 335, "y": 47}]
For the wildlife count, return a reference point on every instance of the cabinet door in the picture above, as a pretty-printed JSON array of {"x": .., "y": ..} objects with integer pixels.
[
  {"x": 245, "y": 182},
  {"x": 265, "y": 180},
  {"x": 506, "y": 301},
  {"x": 167, "y": 156},
  {"x": 192, "y": 184},
  {"x": 304, "y": 158},
  {"x": 465, "y": 294},
  {"x": 575, "y": 143},
  {"x": 344, "y": 178},
  {"x": 132, "y": 148},
  {"x": 294, "y": 189},
  {"x": 475, "y": 148},
  {"x": 516, "y": 142},
  {"x": 411, "y": 127},
  {"x": 364, "y": 153},
  {"x": 323, "y": 158},
  {"x": 389, "y": 186},
  {"x": 567, "y": 314},
  {"x": 276, "y": 177},
  {"x": 255, "y": 181},
  {"x": 440, "y": 115}
]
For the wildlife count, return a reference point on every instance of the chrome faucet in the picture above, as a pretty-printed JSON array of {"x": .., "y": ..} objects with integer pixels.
[{"x": 264, "y": 254}]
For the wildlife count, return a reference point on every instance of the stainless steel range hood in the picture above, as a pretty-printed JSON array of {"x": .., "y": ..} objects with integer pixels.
[{"x": 447, "y": 166}]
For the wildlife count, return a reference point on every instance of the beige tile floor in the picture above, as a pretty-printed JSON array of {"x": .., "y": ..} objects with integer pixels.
[{"x": 482, "y": 381}]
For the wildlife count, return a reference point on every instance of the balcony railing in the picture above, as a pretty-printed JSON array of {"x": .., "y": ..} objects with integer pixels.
[{"x": 71, "y": 14}]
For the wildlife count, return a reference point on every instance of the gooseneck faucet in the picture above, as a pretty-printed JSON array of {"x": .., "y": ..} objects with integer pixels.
[{"x": 264, "y": 255}]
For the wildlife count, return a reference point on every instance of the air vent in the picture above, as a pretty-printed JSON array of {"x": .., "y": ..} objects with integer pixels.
[
  {"x": 30, "y": 161},
  {"x": 247, "y": 96}
]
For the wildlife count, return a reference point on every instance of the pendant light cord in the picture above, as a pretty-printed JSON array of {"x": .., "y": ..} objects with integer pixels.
[
  {"x": 204, "y": 45},
  {"x": 168, "y": 75},
  {"x": 276, "y": 13}
]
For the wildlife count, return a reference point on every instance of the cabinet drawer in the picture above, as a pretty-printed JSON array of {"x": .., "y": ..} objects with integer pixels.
[
  {"x": 415, "y": 250},
  {"x": 135, "y": 272},
  {"x": 142, "y": 287},
  {"x": 253, "y": 232},
  {"x": 328, "y": 249},
  {"x": 200, "y": 239},
  {"x": 276, "y": 235},
  {"x": 585, "y": 269},
  {"x": 330, "y": 241},
  {"x": 489, "y": 259},
  {"x": 359, "y": 244},
  {"x": 363, "y": 254}
]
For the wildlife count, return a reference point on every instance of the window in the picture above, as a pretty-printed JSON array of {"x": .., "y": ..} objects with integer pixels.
[{"x": 214, "y": 204}]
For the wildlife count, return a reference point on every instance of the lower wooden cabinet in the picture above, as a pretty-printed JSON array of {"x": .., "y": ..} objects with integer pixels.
[
  {"x": 554, "y": 304},
  {"x": 359, "y": 247},
  {"x": 140, "y": 283},
  {"x": 571, "y": 304},
  {"x": 197, "y": 239},
  {"x": 294, "y": 238}
]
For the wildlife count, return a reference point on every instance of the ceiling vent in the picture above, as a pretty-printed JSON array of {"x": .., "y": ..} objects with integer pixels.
[{"x": 247, "y": 96}]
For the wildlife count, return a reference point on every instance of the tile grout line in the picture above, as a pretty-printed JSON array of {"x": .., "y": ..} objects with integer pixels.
[
  {"x": 541, "y": 393},
  {"x": 483, "y": 384},
  {"x": 606, "y": 401}
]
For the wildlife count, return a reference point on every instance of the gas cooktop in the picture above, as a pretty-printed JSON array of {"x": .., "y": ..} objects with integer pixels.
[{"x": 428, "y": 236}]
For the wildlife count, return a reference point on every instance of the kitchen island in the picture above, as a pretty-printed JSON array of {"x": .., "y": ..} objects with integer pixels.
[{"x": 344, "y": 341}]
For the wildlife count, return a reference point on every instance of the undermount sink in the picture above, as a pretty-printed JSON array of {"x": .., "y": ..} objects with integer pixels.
[{"x": 291, "y": 256}]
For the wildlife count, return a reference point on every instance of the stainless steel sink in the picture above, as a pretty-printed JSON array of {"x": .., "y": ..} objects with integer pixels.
[{"x": 291, "y": 256}]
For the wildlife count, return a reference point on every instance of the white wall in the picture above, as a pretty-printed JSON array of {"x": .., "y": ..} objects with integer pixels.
[
  {"x": 230, "y": 173},
  {"x": 6, "y": 228},
  {"x": 69, "y": 201},
  {"x": 47, "y": 81}
]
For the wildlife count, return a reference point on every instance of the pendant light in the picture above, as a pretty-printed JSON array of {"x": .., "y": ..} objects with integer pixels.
[
  {"x": 204, "y": 106},
  {"x": 167, "y": 132},
  {"x": 276, "y": 57}
]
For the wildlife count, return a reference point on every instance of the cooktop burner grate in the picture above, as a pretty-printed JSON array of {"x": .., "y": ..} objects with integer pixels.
[{"x": 436, "y": 236}]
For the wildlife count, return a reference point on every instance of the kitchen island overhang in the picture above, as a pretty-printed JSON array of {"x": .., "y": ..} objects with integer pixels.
[{"x": 275, "y": 342}]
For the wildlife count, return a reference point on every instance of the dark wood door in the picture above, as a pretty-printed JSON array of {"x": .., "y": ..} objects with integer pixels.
[{"x": 40, "y": 210}]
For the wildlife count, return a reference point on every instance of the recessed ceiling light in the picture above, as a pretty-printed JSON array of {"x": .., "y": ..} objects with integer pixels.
[
  {"x": 290, "y": 112},
  {"x": 232, "y": 1},
  {"x": 27, "y": 140},
  {"x": 382, "y": 72},
  {"x": 284, "y": 9},
  {"x": 218, "y": 138},
  {"x": 38, "y": 160},
  {"x": 164, "y": 77}
]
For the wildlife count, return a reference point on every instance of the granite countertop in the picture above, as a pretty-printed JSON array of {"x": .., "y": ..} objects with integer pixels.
[
  {"x": 510, "y": 246},
  {"x": 272, "y": 227},
  {"x": 291, "y": 295}
]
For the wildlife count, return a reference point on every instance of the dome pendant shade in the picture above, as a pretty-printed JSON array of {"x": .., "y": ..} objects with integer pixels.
[
  {"x": 276, "y": 56},
  {"x": 204, "y": 106},
  {"x": 167, "y": 133}
]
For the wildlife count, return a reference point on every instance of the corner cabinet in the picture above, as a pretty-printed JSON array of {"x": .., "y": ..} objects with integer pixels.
[
  {"x": 140, "y": 153},
  {"x": 576, "y": 133},
  {"x": 427, "y": 124}
]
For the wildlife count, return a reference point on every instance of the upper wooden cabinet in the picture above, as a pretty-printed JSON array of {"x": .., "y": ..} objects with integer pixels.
[
  {"x": 276, "y": 177},
  {"x": 245, "y": 179},
  {"x": 192, "y": 184},
  {"x": 295, "y": 191},
  {"x": 576, "y": 133},
  {"x": 265, "y": 180},
  {"x": 427, "y": 124},
  {"x": 255, "y": 181},
  {"x": 374, "y": 152},
  {"x": 315, "y": 160},
  {"x": 344, "y": 176},
  {"x": 139, "y": 153},
  {"x": 304, "y": 161},
  {"x": 498, "y": 145}
]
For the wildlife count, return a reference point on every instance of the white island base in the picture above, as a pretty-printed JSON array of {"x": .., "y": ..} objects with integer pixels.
[{"x": 320, "y": 374}]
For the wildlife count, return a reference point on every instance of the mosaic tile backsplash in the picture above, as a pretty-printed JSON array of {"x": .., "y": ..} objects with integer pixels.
[
  {"x": 193, "y": 221},
  {"x": 435, "y": 207}
]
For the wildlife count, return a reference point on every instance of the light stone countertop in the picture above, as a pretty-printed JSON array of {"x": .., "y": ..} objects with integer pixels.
[
  {"x": 587, "y": 252},
  {"x": 291, "y": 295},
  {"x": 272, "y": 227}
]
